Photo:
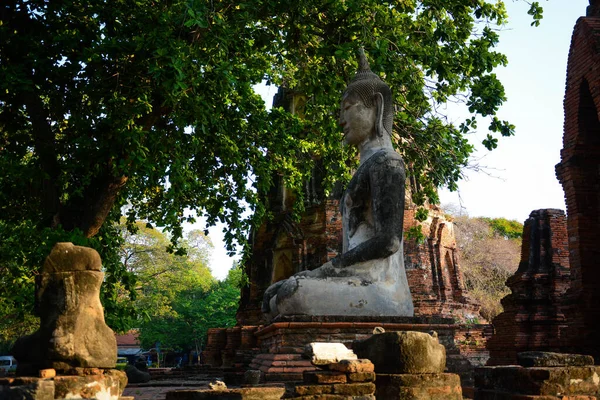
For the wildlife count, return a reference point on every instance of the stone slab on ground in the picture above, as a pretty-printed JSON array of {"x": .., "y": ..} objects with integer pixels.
[
  {"x": 418, "y": 387},
  {"x": 550, "y": 359},
  {"x": 108, "y": 385},
  {"x": 251, "y": 393},
  {"x": 512, "y": 380},
  {"x": 321, "y": 353},
  {"x": 153, "y": 392}
]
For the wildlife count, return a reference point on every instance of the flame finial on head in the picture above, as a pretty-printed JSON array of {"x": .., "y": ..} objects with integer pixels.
[{"x": 363, "y": 63}]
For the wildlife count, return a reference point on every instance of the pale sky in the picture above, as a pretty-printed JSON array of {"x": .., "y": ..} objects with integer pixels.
[
  {"x": 535, "y": 85},
  {"x": 523, "y": 165}
]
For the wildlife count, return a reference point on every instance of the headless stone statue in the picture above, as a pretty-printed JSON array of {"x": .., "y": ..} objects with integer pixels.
[
  {"x": 368, "y": 278},
  {"x": 72, "y": 331}
]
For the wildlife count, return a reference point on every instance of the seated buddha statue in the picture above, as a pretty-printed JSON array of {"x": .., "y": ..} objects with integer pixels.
[{"x": 368, "y": 278}]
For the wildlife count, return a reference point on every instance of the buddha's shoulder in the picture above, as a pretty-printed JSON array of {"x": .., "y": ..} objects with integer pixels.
[{"x": 387, "y": 156}]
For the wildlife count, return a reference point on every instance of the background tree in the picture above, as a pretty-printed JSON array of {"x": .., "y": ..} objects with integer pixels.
[
  {"x": 192, "y": 312},
  {"x": 151, "y": 104},
  {"x": 490, "y": 251},
  {"x": 176, "y": 297}
]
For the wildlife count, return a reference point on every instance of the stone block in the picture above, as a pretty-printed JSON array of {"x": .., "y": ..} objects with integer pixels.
[
  {"x": 323, "y": 377},
  {"x": 361, "y": 365},
  {"x": 407, "y": 352},
  {"x": 354, "y": 389},
  {"x": 418, "y": 386},
  {"x": 311, "y": 390},
  {"x": 335, "y": 397},
  {"x": 361, "y": 377},
  {"x": 47, "y": 373},
  {"x": 539, "y": 381},
  {"x": 109, "y": 386},
  {"x": 38, "y": 389},
  {"x": 549, "y": 359},
  {"x": 328, "y": 353},
  {"x": 254, "y": 393},
  {"x": 106, "y": 386}
]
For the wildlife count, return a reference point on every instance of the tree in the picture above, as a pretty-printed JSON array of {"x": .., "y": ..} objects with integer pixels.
[
  {"x": 176, "y": 297},
  {"x": 490, "y": 254},
  {"x": 192, "y": 312},
  {"x": 151, "y": 104}
]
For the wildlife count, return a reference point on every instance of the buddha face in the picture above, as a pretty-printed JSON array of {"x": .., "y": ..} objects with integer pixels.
[{"x": 357, "y": 120}]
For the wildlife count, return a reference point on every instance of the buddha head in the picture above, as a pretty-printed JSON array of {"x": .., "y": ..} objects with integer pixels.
[{"x": 366, "y": 108}]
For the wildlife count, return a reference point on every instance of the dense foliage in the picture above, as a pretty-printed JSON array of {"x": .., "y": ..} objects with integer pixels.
[
  {"x": 151, "y": 104},
  {"x": 490, "y": 251},
  {"x": 177, "y": 299}
]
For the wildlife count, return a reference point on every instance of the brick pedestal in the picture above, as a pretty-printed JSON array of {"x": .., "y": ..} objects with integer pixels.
[
  {"x": 233, "y": 342},
  {"x": 216, "y": 341},
  {"x": 283, "y": 341}
]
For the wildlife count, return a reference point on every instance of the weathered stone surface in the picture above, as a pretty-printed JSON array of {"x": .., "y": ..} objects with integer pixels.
[
  {"x": 418, "y": 387},
  {"x": 38, "y": 389},
  {"x": 134, "y": 375},
  {"x": 72, "y": 329},
  {"x": 328, "y": 353},
  {"x": 403, "y": 352},
  {"x": 361, "y": 376},
  {"x": 311, "y": 390},
  {"x": 538, "y": 381},
  {"x": 47, "y": 373},
  {"x": 254, "y": 393},
  {"x": 66, "y": 257},
  {"x": 252, "y": 377},
  {"x": 108, "y": 385},
  {"x": 549, "y": 359},
  {"x": 323, "y": 377},
  {"x": 354, "y": 389},
  {"x": 359, "y": 365}
]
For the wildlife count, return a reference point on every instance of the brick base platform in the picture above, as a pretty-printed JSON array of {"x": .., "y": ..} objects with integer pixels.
[
  {"x": 418, "y": 386},
  {"x": 282, "y": 342},
  {"x": 539, "y": 383}
]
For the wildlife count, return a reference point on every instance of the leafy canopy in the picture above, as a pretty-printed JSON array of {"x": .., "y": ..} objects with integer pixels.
[{"x": 150, "y": 104}]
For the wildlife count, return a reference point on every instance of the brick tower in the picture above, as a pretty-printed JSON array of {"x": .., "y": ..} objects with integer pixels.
[{"x": 579, "y": 174}]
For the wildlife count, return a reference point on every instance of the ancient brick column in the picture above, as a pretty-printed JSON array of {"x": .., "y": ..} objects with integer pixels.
[
  {"x": 579, "y": 174},
  {"x": 433, "y": 270},
  {"x": 533, "y": 318}
]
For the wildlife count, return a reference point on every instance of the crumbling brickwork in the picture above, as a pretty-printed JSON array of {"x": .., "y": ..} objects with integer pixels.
[
  {"x": 578, "y": 172},
  {"x": 533, "y": 318},
  {"x": 433, "y": 270}
]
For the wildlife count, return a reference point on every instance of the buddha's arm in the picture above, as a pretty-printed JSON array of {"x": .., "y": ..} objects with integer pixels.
[{"x": 387, "y": 181}]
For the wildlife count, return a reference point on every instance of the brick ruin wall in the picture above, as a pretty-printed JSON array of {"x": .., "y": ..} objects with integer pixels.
[
  {"x": 533, "y": 317},
  {"x": 578, "y": 172}
]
